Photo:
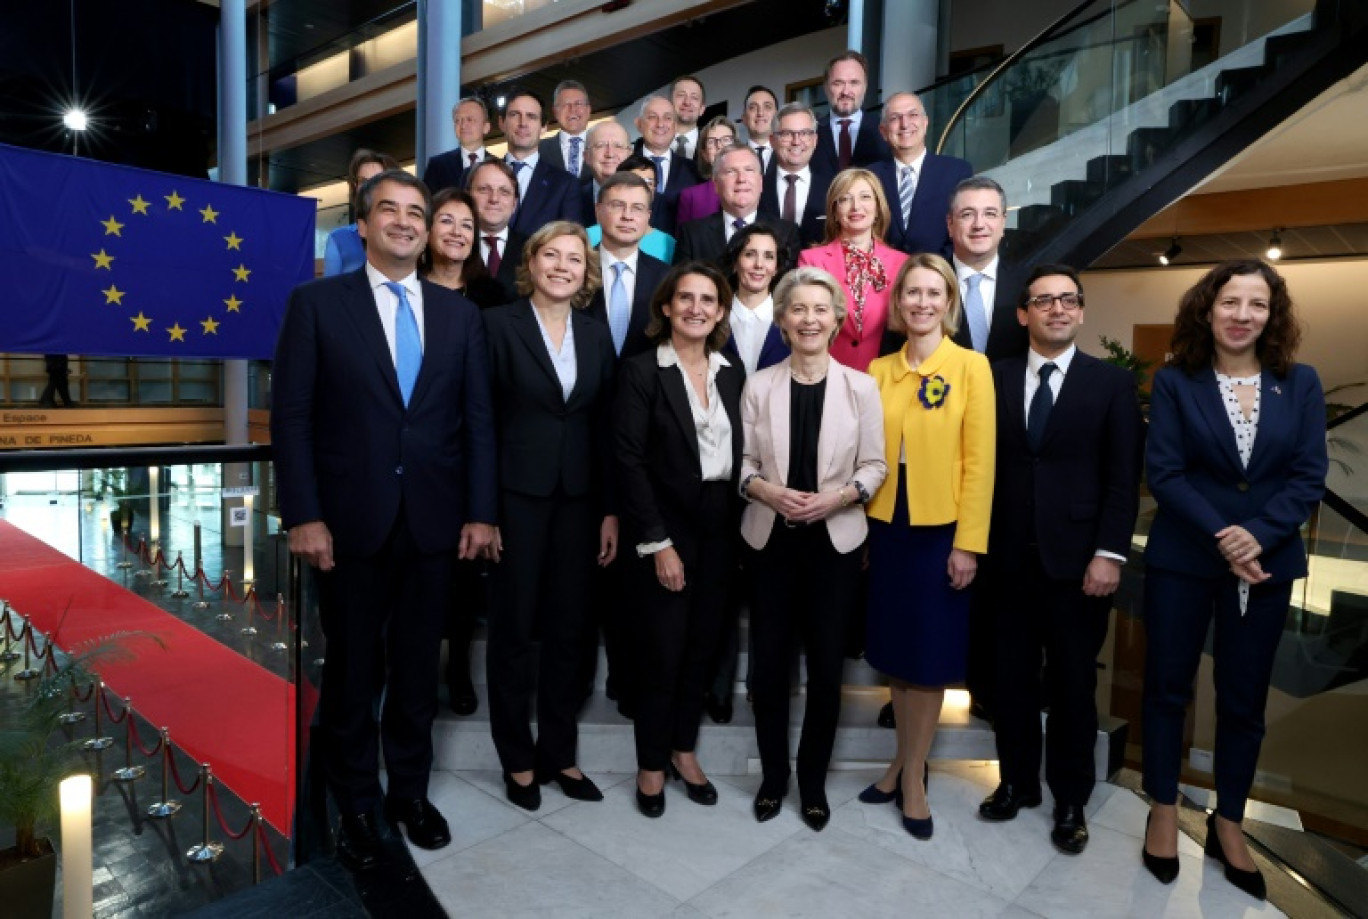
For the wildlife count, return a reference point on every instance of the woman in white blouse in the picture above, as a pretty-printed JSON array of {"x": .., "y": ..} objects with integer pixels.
[
  {"x": 678, "y": 446},
  {"x": 551, "y": 365}
]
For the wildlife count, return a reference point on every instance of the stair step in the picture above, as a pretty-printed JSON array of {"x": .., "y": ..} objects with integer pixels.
[
  {"x": 1145, "y": 145},
  {"x": 1034, "y": 217},
  {"x": 1231, "y": 84},
  {"x": 1073, "y": 195},
  {"x": 1278, "y": 48},
  {"x": 1110, "y": 170}
]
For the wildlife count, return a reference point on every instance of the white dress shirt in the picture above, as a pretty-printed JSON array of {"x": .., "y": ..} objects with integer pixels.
[
  {"x": 987, "y": 287},
  {"x": 502, "y": 237},
  {"x": 800, "y": 190},
  {"x": 562, "y": 361},
  {"x": 728, "y": 221},
  {"x": 387, "y": 304},
  {"x": 524, "y": 175},
  {"x": 749, "y": 329},
  {"x": 629, "y": 269},
  {"x": 480, "y": 154}
]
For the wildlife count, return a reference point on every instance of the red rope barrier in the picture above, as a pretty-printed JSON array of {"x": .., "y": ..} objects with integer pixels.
[
  {"x": 135, "y": 742},
  {"x": 32, "y": 645},
  {"x": 90, "y": 691},
  {"x": 113, "y": 719},
  {"x": 223, "y": 824},
  {"x": 175, "y": 775},
  {"x": 9, "y": 627},
  {"x": 266, "y": 846}
]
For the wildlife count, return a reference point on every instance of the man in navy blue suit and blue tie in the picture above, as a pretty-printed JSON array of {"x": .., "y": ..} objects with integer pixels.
[
  {"x": 545, "y": 192},
  {"x": 384, "y": 454}
]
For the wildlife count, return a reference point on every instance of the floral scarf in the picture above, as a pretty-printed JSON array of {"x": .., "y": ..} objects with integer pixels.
[{"x": 862, "y": 269}]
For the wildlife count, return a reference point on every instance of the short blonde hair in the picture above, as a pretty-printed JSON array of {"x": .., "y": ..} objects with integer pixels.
[
  {"x": 593, "y": 274},
  {"x": 809, "y": 276},
  {"x": 839, "y": 187},
  {"x": 953, "y": 310}
]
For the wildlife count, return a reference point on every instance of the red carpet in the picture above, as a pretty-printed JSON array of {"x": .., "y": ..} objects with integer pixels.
[{"x": 221, "y": 708}]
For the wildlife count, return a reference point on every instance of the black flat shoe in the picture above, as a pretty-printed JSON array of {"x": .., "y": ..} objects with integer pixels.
[
  {"x": 528, "y": 797},
  {"x": 1251, "y": 882},
  {"x": 920, "y": 829},
  {"x": 1006, "y": 800},
  {"x": 650, "y": 805},
  {"x": 719, "y": 710},
  {"x": 699, "y": 794},
  {"x": 580, "y": 789},
  {"x": 816, "y": 815},
  {"x": 1070, "y": 833},
  {"x": 358, "y": 842},
  {"x": 424, "y": 824},
  {"x": 886, "y": 717},
  {"x": 876, "y": 795},
  {"x": 767, "y": 806},
  {"x": 1163, "y": 867}
]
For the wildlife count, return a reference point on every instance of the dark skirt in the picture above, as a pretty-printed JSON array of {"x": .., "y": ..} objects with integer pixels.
[{"x": 918, "y": 625}]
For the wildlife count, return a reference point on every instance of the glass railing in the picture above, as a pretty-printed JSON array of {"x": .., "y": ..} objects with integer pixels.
[{"x": 173, "y": 558}]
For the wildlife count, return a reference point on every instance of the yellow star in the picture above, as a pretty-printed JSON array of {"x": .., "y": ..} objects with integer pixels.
[
  {"x": 112, "y": 226},
  {"x": 234, "y": 241},
  {"x": 240, "y": 273},
  {"x": 113, "y": 295},
  {"x": 233, "y": 304},
  {"x": 210, "y": 326},
  {"x": 177, "y": 333},
  {"x": 139, "y": 205},
  {"x": 102, "y": 259},
  {"x": 174, "y": 201},
  {"x": 141, "y": 322},
  {"x": 209, "y": 214}
]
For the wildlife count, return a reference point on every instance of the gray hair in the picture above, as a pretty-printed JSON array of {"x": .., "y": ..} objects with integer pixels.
[
  {"x": 474, "y": 99},
  {"x": 641, "y": 112},
  {"x": 795, "y": 108},
  {"x": 563, "y": 85}
]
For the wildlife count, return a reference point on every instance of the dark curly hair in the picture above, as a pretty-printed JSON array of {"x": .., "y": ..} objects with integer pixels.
[
  {"x": 783, "y": 262},
  {"x": 658, "y": 328},
  {"x": 1194, "y": 346}
]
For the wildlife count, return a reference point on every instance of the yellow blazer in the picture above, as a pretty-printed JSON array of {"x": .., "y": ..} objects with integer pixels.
[{"x": 950, "y": 448}]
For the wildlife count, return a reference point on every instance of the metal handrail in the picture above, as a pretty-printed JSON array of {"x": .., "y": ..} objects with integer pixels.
[{"x": 50, "y": 460}]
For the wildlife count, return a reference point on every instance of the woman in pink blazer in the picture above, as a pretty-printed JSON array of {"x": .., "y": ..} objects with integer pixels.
[
  {"x": 813, "y": 455},
  {"x": 854, "y": 252},
  {"x": 701, "y": 200}
]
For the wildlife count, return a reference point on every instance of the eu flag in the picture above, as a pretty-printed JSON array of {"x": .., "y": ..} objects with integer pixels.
[{"x": 100, "y": 259}]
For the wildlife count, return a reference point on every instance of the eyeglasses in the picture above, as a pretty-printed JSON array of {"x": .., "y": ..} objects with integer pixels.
[
  {"x": 490, "y": 191},
  {"x": 577, "y": 103},
  {"x": 1046, "y": 302},
  {"x": 619, "y": 207},
  {"x": 725, "y": 140},
  {"x": 805, "y": 134}
]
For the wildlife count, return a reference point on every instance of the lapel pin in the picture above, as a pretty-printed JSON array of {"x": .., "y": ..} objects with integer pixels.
[{"x": 1277, "y": 390}]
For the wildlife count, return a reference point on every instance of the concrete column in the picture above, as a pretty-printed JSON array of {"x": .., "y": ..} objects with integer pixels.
[
  {"x": 910, "y": 45},
  {"x": 439, "y": 76}
]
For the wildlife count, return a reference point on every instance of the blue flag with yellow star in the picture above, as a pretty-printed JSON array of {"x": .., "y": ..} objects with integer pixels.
[{"x": 98, "y": 259}]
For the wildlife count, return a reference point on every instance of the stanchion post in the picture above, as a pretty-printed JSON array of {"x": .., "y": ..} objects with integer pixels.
[
  {"x": 256, "y": 843},
  {"x": 99, "y": 741},
  {"x": 9, "y": 654},
  {"x": 71, "y": 716},
  {"x": 166, "y": 807},
  {"x": 249, "y": 601},
  {"x": 129, "y": 772},
  {"x": 224, "y": 615},
  {"x": 180, "y": 592},
  {"x": 29, "y": 672},
  {"x": 207, "y": 850},
  {"x": 123, "y": 541},
  {"x": 279, "y": 644}
]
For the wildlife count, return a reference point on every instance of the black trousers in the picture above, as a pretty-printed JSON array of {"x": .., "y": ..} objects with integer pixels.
[
  {"x": 1179, "y": 608},
  {"x": 470, "y": 590},
  {"x": 1048, "y": 636},
  {"x": 612, "y": 611},
  {"x": 677, "y": 634},
  {"x": 538, "y": 627},
  {"x": 381, "y": 614},
  {"x": 804, "y": 593}
]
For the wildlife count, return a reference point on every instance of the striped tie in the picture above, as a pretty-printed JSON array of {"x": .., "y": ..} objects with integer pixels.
[{"x": 907, "y": 189}]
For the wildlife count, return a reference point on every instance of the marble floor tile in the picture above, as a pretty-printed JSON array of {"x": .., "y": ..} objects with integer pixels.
[
  {"x": 841, "y": 786},
  {"x": 684, "y": 852},
  {"x": 1109, "y": 880},
  {"x": 835, "y": 874},
  {"x": 472, "y": 815},
  {"x": 491, "y": 783},
  {"x": 534, "y": 871},
  {"x": 1125, "y": 812}
]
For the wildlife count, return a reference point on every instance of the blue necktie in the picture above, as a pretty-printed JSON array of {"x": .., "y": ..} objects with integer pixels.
[
  {"x": 619, "y": 309},
  {"x": 660, "y": 174},
  {"x": 978, "y": 322},
  {"x": 575, "y": 156},
  {"x": 1041, "y": 403},
  {"x": 408, "y": 344}
]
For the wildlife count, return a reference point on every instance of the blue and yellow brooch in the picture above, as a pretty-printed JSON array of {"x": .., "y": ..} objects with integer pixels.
[{"x": 933, "y": 391}]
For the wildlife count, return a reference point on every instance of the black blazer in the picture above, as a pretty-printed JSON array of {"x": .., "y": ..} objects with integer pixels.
[
  {"x": 705, "y": 239},
  {"x": 348, "y": 452},
  {"x": 683, "y": 174},
  {"x": 446, "y": 170},
  {"x": 552, "y": 194},
  {"x": 1006, "y": 336},
  {"x": 509, "y": 261},
  {"x": 869, "y": 145},
  {"x": 927, "y": 230},
  {"x": 545, "y": 440},
  {"x": 657, "y": 452},
  {"x": 650, "y": 273},
  {"x": 550, "y": 150},
  {"x": 1080, "y": 492},
  {"x": 811, "y": 228}
]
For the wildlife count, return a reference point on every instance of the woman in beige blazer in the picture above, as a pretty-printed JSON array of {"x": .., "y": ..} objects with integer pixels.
[{"x": 813, "y": 455}]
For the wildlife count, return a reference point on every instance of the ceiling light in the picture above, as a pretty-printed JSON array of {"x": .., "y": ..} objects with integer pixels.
[
  {"x": 75, "y": 120},
  {"x": 1171, "y": 253},
  {"x": 1274, "y": 247}
]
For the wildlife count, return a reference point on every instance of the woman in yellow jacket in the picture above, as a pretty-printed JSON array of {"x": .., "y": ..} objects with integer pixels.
[{"x": 929, "y": 523}]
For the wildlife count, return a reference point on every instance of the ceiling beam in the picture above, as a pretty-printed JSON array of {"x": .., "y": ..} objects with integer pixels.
[{"x": 1314, "y": 204}]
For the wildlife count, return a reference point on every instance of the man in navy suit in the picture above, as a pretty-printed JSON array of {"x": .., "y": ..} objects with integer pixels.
[
  {"x": 470, "y": 119},
  {"x": 495, "y": 189},
  {"x": 545, "y": 192},
  {"x": 674, "y": 173},
  {"x": 384, "y": 453},
  {"x": 736, "y": 175},
  {"x": 624, "y": 300},
  {"x": 1065, "y": 499},
  {"x": 568, "y": 148},
  {"x": 918, "y": 184},
  {"x": 846, "y": 137},
  {"x": 989, "y": 286},
  {"x": 795, "y": 190}
]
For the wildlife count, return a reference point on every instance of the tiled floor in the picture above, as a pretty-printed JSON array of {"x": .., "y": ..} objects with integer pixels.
[{"x": 573, "y": 859}]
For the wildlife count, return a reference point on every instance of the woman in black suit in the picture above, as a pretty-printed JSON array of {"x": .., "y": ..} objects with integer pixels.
[
  {"x": 678, "y": 414},
  {"x": 552, "y": 370}
]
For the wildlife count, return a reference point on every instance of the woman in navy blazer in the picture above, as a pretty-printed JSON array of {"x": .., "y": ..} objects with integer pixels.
[{"x": 1236, "y": 461}]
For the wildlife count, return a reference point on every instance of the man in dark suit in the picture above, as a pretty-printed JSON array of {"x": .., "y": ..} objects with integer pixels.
[
  {"x": 470, "y": 119},
  {"x": 989, "y": 287},
  {"x": 624, "y": 300},
  {"x": 608, "y": 145},
  {"x": 545, "y": 192},
  {"x": 736, "y": 175},
  {"x": 795, "y": 190},
  {"x": 384, "y": 454},
  {"x": 1064, "y": 505},
  {"x": 568, "y": 148},
  {"x": 674, "y": 173},
  {"x": 759, "y": 117},
  {"x": 847, "y": 137},
  {"x": 495, "y": 190},
  {"x": 918, "y": 184}
]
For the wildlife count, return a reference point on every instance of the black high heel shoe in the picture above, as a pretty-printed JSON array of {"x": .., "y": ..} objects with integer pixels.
[
  {"x": 1251, "y": 882},
  {"x": 876, "y": 795},
  {"x": 528, "y": 796},
  {"x": 1164, "y": 868},
  {"x": 699, "y": 794},
  {"x": 578, "y": 789}
]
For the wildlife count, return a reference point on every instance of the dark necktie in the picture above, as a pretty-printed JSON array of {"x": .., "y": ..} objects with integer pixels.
[
  {"x": 843, "y": 152},
  {"x": 660, "y": 174},
  {"x": 763, "y": 152},
  {"x": 493, "y": 262},
  {"x": 682, "y": 145},
  {"x": 473, "y": 158},
  {"x": 1041, "y": 403},
  {"x": 790, "y": 199}
]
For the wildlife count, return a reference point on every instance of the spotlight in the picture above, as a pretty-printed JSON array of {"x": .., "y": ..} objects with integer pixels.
[
  {"x": 1171, "y": 253},
  {"x": 1274, "y": 247},
  {"x": 75, "y": 120}
]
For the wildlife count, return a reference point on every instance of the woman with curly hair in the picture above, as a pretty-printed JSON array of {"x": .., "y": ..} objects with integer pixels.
[{"x": 1236, "y": 461}]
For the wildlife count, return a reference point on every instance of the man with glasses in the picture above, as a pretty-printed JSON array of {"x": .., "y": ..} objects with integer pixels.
[
  {"x": 545, "y": 193},
  {"x": 495, "y": 190},
  {"x": 795, "y": 190},
  {"x": 567, "y": 148},
  {"x": 1069, "y": 439},
  {"x": 470, "y": 120},
  {"x": 917, "y": 183},
  {"x": 607, "y": 146},
  {"x": 674, "y": 172}
]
